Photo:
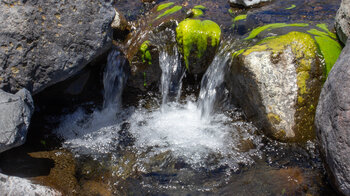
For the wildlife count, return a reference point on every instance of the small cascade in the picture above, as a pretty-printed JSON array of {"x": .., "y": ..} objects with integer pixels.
[
  {"x": 211, "y": 82},
  {"x": 114, "y": 79},
  {"x": 172, "y": 74}
]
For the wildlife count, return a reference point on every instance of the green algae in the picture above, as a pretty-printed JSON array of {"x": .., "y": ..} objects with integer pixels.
[
  {"x": 201, "y": 7},
  {"x": 170, "y": 11},
  {"x": 291, "y": 7},
  {"x": 144, "y": 79},
  {"x": 237, "y": 53},
  {"x": 197, "y": 12},
  {"x": 255, "y": 32},
  {"x": 164, "y": 5},
  {"x": 240, "y": 17},
  {"x": 330, "y": 49},
  {"x": 325, "y": 28},
  {"x": 146, "y": 55},
  {"x": 192, "y": 32},
  {"x": 317, "y": 32}
]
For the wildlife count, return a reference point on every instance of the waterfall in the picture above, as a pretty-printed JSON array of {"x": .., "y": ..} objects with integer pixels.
[
  {"x": 114, "y": 79},
  {"x": 172, "y": 74},
  {"x": 211, "y": 81}
]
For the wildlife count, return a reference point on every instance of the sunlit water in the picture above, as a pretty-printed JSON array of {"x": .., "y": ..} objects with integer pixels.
[
  {"x": 178, "y": 146},
  {"x": 211, "y": 141}
]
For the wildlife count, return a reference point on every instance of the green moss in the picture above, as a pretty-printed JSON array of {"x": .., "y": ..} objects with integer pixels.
[
  {"x": 145, "y": 54},
  {"x": 230, "y": 11},
  {"x": 197, "y": 13},
  {"x": 255, "y": 32},
  {"x": 201, "y": 7},
  {"x": 236, "y": 53},
  {"x": 274, "y": 118},
  {"x": 330, "y": 50},
  {"x": 191, "y": 33},
  {"x": 325, "y": 28},
  {"x": 317, "y": 32},
  {"x": 170, "y": 11},
  {"x": 291, "y": 7},
  {"x": 144, "y": 79},
  {"x": 240, "y": 17},
  {"x": 164, "y": 5}
]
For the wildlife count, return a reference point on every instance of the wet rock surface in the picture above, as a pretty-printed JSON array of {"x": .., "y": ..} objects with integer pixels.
[
  {"x": 44, "y": 42},
  {"x": 15, "y": 113},
  {"x": 277, "y": 83},
  {"x": 342, "y": 24},
  {"x": 333, "y": 122}
]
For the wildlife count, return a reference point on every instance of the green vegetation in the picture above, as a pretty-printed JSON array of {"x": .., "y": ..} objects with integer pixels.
[
  {"x": 146, "y": 55},
  {"x": 255, "y": 32},
  {"x": 291, "y": 7},
  {"x": 240, "y": 17},
  {"x": 170, "y": 11},
  {"x": 164, "y": 5},
  {"x": 191, "y": 33}
]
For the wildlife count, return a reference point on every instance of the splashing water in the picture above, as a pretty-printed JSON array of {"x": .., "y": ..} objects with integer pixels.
[{"x": 178, "y": 129}]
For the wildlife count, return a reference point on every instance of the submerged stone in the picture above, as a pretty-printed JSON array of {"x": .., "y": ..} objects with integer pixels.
[
  {"x": 277, "y": 82},
  {"x": 197, "y": 41}
]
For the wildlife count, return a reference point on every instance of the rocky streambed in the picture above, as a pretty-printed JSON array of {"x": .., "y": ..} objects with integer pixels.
[{"x": 173, "y": 98}]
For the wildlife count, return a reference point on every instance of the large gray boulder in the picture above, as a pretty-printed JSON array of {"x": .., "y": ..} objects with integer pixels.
[
  {"x": 15, "y": 113},
  {"x": 277, "y": 83},
  {"x": 15, "y": 186},
  {"x": 333, "y": 122},
  {"x": 46, "y": 41},
  {"x": 342, "y": 23}
]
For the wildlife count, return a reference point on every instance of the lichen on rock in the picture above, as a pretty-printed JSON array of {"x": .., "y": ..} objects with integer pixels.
[
  {"x": 288, "y": 77},
  {"x": 193, "y": 37}
]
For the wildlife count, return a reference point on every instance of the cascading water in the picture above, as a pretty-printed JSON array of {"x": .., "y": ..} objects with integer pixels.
[
  {"x": 114, "y": 79},
  {"x": 175, "y": 130},
  {"x": 211, "y": 81},
  {"x": 172, "y": 74},
  {"x": 95, "y": 133}
]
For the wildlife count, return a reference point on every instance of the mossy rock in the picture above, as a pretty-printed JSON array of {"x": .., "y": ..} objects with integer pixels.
[
  {"x": 145, "y": 70},
  {"x": 197, "y": 42},
  {"x": 277, "y": 82}
]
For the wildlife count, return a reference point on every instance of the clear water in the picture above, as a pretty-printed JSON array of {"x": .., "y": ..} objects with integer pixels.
[
  {"x": 186, "y": 146},
  {"x": 178, "y": 129}
]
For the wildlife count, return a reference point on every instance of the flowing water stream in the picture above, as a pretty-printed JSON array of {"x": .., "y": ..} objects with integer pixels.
[{"x": 175, "y": 146}]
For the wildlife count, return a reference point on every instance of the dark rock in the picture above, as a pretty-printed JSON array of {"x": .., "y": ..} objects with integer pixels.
[
  {"x": 44, "y": 42},
  {"x": 15, "y": 113},
  {"x": 333, "y": 122},
  {"x": 342, "y": 24}
]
